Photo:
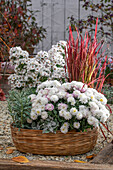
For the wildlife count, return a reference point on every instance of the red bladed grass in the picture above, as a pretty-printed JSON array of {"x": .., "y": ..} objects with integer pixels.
[{"x": 83, "y": 60}]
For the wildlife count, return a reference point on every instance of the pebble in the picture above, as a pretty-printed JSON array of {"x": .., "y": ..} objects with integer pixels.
[{"x": 6, "y": 140}]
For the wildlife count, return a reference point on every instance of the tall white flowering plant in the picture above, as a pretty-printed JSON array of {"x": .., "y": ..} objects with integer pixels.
[
  {"x": 30, "y": 72},
  {"x": 66, "y": 107}
]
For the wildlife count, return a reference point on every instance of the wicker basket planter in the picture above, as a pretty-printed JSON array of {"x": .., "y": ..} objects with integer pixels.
[{"x": 36, "y": 142}]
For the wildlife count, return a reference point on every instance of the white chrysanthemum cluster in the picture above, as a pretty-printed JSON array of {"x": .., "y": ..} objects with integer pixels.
[
  {"x": 69, "y": 104},
  {"x": 57, "y": 57},
  {"x": 19, "y": 59},
  {"x": 30, "y": 72}
]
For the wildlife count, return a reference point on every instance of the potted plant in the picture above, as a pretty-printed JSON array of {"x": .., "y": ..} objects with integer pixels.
[
  {"x": 30, "y": 72},
  {"x": 57, "y": 119}
]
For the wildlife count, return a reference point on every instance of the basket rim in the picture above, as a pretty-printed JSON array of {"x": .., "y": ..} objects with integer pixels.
[{"x": 58, "y": 131}]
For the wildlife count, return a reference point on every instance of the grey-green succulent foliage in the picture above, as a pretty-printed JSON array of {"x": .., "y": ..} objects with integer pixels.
[{"x": 19, "y": 106}]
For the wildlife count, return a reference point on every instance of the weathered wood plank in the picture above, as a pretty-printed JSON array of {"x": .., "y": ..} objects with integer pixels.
[
  {"x": 6, "y": 164},
  {"x": 105, "y": 156}
]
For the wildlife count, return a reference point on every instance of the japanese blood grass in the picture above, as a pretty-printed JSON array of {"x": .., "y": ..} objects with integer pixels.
[{"x": 83, "y": 60}]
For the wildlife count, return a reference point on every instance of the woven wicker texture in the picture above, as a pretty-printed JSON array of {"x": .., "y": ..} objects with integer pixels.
[{"x": 36, "y": 142}]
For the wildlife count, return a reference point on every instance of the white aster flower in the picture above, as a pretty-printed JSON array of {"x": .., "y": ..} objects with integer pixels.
[
  {"x": 45, "y": 91},
  {"x": 61, "y": 94},
  {"x": 61, "y": 112},
  {"x": 93, "y": 106},
  {"x": 38, "y": 111},
  {"x": 33, "y": 116},
  {"x": 56, "y": 83},
  {"x": 64, "y": 129},
  {"x": 90, "y": 120},
  {"x": 67, "y": 115},
  {"x": 76, "y": 93},
  {"x": 76, "y": 125},
  {"x": 66, "y": 124},
  {"x": 66, "y": 86},
  {"x": 100, "y": 97},
  {"x": 82, "y": 107},
  {"x": 62, "y": 106},
  {"x": 42, "y": 107},
  {"x": 79, "y": 115},
  {"x": 93, "y": 121},
  {"x": 44, "y": 115},
  {"x": 43, "y": 100},
  {"x": 54, "y": 98},
  {"x": 83, "y": 98},
  {"x": 70, "y": 99},
  {"x": 98, "y": 113},
  {"x": 73, "y": 111}
]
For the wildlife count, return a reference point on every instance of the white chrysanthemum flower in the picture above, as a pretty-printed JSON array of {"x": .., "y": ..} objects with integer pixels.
[
  {"x": 67, "y": 115},
  {"x": 76, "y": 93},
  {"x": 38, "y": 111},
  {"x": 42, "y": 107},
  {"x": 79, "y": 115},
  {"x": 56, "y": 83},
  {"x": 70, "y": 99},
  {"x": 87, "y": 113},
  {"x": 73, "y": 83},
  {"x": 30, "y": 85},
  {"x": 61, "y": 112},
  {"x": 19, "y": 85},
  {"x": 35, "y": 102},
  {"x": 93, "y": 121},
  {"x": 100, "y": 97},
  {"x": 52, "y": 91},
  {"x": 90, "y": 95},
  {"x": 33, "y": 116},
  {"x": 62, "y": 106},
  {"x": 93, "y": 106},
  {"x": 90, "y": 120},
  {"x": 73, "y": 111},
  {"x": 61, "y": 94},
  {"x": 98, "y": 113},
  {"x": 45, "y": 92},
  {"x": 83, "y": 98},
  {"x": 69, "y": 95},
  {"x": 103, "y": 100},
  {"x": 64, "y": 129},
  {"x": 44, "y": 115},
  {"x": 43, "y": 100},
  {"x": 66, "y": 86},
  {"x": 76, "y": 125},
  {"x": 82, "y": 107},
  {"x": 54, "y": 98},
  {"x": 66, "y": 125}
]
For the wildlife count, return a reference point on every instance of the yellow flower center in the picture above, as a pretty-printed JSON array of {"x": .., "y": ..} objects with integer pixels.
[
  {"x": 101, "y": 100},
  {"x": 91, "y": 97}
]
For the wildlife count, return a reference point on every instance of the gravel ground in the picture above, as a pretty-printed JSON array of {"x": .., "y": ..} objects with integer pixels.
[{"x": 6, "y": 141}]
